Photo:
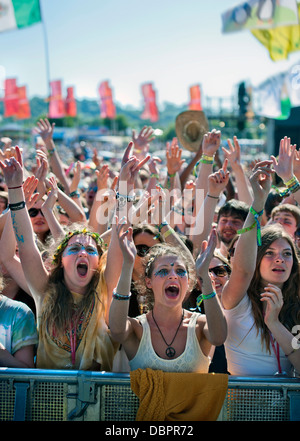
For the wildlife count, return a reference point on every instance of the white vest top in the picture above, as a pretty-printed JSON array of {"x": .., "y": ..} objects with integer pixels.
[{"x": 191, "y": 360}]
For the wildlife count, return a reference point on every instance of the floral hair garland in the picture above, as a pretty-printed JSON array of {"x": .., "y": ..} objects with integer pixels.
[{"x": 64, "y": 242}]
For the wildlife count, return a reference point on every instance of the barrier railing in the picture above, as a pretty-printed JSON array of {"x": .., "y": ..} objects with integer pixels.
[{"x": 56, "y": 395}]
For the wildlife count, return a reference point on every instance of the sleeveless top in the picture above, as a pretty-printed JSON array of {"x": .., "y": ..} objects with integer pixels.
[{"x": 191, "y": 360}]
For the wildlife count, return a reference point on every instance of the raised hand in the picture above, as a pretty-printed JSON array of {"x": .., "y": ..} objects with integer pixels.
[
  {"x": 211, "y": 142},
  {"x": 29, "y": 188},
  {"x": 173, "y": 157},
  {"x": 234, "y": 153},
  {"x": 261, "y": 180},
  {"x": 217, "y": 181},
  {"x": 206, "y": 254},
  {"x": 142, "y": 140},
  {"x": 45, "y": 130},
  {"x": 284, "y": 166},
  {"x": 12, "y": 169},
  {"x": 125, "y": 240}
]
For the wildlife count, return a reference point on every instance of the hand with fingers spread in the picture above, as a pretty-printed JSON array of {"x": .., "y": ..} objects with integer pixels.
[
  {"x": 76, "y": 177},
  {"x": 45, "y": 130},
  {"x": 173, "y": 157},
  {"x": 52, "y": 194},
  {"x": 234, "y": 153},
  {"x": 142, "y": 140},
  {"x": 284, "y": 165}
]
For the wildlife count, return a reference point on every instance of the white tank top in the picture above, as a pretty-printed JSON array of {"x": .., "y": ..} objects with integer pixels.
[{"x": 191, "y": 360}]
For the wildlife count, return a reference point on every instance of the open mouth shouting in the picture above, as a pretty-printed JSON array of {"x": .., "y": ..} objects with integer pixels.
[
  {"x": 172, "y": 291},
  {"x": 82, "y": 269}
]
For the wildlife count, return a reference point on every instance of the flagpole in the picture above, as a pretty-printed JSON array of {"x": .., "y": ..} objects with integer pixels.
[{"x": 46, "y": 51}]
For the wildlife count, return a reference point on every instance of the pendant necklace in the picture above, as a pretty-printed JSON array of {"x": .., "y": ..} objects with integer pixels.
[{"x": 170, "y": 351}]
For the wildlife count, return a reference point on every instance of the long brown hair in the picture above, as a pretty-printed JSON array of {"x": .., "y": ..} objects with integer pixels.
[
  {"x": 58, "y": 309},
  {"x": 290, "y": 312}
]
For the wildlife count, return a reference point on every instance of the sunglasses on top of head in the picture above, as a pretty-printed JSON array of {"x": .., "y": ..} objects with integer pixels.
[
  {"x": 142, "y": 250},
  {"x": 33, "y": 212}
]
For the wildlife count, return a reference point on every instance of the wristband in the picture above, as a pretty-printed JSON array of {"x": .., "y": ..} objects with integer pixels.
[
  {"x": 121, "y": 296},
  {"x": 171, "y": 175},
  {"x": 163, "y": 224},
  {"x": 256, "y": 217},
  {"x": 202, "y": 297},
  {"x": 12, "y": 188},
  {"x": 124, "y": 198},
  {"x": 213, "y": 197},
  {"x": 17, "y": 206},
  {"x": 153, "y": 175},
  {"x": 75, "y": 194},
  {"x": 167, "y": 233}
]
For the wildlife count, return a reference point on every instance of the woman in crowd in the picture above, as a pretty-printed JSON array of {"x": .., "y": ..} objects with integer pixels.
[
  {"x": 71, "y": 299},
  {"x": 169, "y": 276}
]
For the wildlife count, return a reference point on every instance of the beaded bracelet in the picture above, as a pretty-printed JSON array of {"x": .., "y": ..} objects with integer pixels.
[{"x": 121, "y": 296}]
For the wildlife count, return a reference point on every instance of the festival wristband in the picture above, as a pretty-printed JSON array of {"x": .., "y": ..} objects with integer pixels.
[
  {"x": 121, "y": 296},
  {"x": 167, "y": 233},
  {"x": 202, "y": 297},
  {"x": 17, "y": 206}
]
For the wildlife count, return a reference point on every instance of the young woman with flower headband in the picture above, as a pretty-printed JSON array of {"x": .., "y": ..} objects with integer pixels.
[
  {"x": 71, "y": 299},
  {"x": 168, "y": 337}
]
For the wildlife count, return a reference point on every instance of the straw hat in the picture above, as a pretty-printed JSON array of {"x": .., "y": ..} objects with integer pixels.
[{"x": 190, "y": 128}]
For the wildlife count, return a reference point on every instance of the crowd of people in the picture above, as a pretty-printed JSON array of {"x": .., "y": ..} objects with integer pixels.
[{"x": 196, "y": 271}]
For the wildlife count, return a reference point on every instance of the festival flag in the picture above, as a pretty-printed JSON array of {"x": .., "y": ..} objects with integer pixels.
[
  {"x": 272, "y": 98},
  {"x": 17, "y": 14},
  {"x": 56, "y": 104},
  {"x": 70, "y": 103},
  {"x": 11, "y": 97},
  {"x": 195, "y": 98},
  {"x": 150, "y": 110},
  {"x": 260, "y": 14},
  {"x": 280, "y": 41},
  {"x": 107, "y": 107},
  {"x": 23, "y": 104}
]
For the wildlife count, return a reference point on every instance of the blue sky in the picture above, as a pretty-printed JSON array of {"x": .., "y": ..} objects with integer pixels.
[{"x": 172, "y": 43}]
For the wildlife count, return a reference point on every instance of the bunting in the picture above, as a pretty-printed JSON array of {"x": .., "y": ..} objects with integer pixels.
[
  {"x": 195, "y": 98},
  {"x": 107, "y": 107},
  {"x": 56, "y": 104},
  {"x": 70, "y": 103},
  {"x": 150, "y": 110}
]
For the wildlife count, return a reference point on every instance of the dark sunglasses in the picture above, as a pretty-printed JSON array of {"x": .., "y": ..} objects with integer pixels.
[
  {"x": 33, "y": 212},
  {"x": 142, "y": 250},
  {"x": 220, "y": 270}
]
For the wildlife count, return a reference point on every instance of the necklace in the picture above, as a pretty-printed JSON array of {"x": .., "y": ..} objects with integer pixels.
[{"x": 170, "y": 351}]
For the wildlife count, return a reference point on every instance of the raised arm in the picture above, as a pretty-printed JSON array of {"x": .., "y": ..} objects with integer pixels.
[
  {"x": 119, "y": 323},
  {"x": 33, "y": 267},
  {"x": 246, "y": 249},
  {"x": 215, "y": 329},
  {"x": 234, "y": 157}
]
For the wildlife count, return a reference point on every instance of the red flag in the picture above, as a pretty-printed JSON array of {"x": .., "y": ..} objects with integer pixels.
[
  {"x": 23, "y": 104},
  {"x": 71, "y": 108},
  {"x": 150, "y": 110},
  {"x": 56, "y": 105},
  {"x": 195, "y": 98},
  {"x": 107, "y": 106},
  {"x": 11, "y": 97}
]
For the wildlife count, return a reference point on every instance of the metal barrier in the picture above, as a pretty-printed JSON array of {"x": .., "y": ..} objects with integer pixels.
[{"x": 56, "y": 395}]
